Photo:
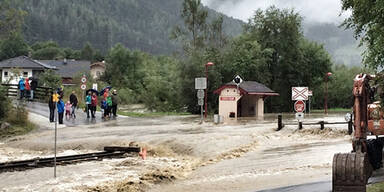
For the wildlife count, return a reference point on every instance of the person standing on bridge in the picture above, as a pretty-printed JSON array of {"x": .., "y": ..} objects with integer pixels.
[
  {"x": 115, "y": 102},
  {"x": 52, "y": 108},
  {"x": 73, "y": 100},
  {"x": 60, "y": 110},
  {"x": 33, "y": 87},
  {"x": 21, "y": 87},
  {"x": 27, "y": 89},
  {"x": 88, "y": 102},
  {"x": 94, "y": 105}
]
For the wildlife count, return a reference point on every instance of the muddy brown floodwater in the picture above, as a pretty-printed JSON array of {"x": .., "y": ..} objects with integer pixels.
[{"x": 183, "y": 155}]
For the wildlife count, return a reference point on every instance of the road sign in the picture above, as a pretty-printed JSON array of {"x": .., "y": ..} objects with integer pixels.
[
  {"x": 200, "y": 94},
  {"x": 299, "y": 116},
  {"x": 299, "y": 106},
  {"x": 83, "y": 86},
  {"x": 310, "y": 93},
  {"x": 94, "y": 86},
  {"x": 201, "y": 83},
  {"x": 237, "y": 80},
  {"x": 84, "y": 79},
  {"x": 200, "y": 101},
  {"x": 299, "y": 93}
]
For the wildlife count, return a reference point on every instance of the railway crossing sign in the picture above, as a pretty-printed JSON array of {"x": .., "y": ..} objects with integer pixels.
[
  {"x": 299, "y": 93},
  {"x": 299, "y": 106}
]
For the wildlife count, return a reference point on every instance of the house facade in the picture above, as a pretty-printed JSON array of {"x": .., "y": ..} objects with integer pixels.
[
  {"x": 97, "y": 69},
  {"x": 13, "y": 69}
]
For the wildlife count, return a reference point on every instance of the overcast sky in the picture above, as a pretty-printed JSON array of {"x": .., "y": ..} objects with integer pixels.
[{"x": 311, "y": 10}]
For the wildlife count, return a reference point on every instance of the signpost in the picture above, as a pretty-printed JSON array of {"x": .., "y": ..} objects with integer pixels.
[
  {"x": 300, "y": 94},
  {"x": 200, "y": 96},
  {"x": 55, "y": 99},
  {"x": 310, "y": 94}
]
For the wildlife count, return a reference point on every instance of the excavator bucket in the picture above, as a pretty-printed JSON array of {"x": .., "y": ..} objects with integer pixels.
[{"x": 351, "y": 172}]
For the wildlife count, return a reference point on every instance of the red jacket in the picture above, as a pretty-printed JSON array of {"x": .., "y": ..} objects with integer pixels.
[
  {"x": 27, "y": 87},
  {"x": 94, "y": 100}
]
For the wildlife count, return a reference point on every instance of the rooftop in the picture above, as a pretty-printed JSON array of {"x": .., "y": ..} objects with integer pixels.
[
  {"x": 25, "y": 62},
  {"x": 249, "y": 88},
  {"x": 69, "y": 68}
]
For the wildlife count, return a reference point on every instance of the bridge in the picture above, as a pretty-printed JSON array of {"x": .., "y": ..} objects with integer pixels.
[{"x": 40, "y": 93}]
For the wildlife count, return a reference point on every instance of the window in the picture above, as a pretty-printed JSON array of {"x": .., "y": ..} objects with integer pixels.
[
  {"x": 98, "y": 73},
  {"x": 25, "y": 74},
  {"x": 5, "y": 73}
]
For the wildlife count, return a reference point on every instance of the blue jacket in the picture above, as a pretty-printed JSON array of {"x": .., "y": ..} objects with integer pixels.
[
  {"x": 88, "y": 99},
  {"x": 60, "y": 106},
  {"x": 21, "y": 85}
]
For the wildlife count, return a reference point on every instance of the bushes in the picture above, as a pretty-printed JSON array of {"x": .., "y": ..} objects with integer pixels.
[{"x": 4, "y": 103}]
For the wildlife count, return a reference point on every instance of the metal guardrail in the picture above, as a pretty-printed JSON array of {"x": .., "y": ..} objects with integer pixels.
[{"x": 280, "y": 124}]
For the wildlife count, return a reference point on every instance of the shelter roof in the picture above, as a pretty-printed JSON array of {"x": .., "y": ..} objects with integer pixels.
[{"x": 249, "y": 88}]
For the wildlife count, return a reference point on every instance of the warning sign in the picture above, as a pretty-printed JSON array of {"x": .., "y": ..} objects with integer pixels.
[{"x": 299, "y": 93}]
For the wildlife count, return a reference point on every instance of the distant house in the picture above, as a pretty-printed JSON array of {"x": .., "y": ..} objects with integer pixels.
[
  {"x": 97, "y": 69},
  {"x": 26, "y": 66},
  {"x": 245, "y": 100},
  {"x": 68, "y": 69}
]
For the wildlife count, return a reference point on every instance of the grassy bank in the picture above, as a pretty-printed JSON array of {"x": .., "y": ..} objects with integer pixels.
[
  {"x": 17, "y": 118},
  {"x": 379, "y": 187},
  {"x": 332, "y": 110},
  {"x": 15, "y": 130}
]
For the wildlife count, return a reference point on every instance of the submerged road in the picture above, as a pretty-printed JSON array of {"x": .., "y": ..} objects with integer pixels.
[{"x": 324, "y": 186}]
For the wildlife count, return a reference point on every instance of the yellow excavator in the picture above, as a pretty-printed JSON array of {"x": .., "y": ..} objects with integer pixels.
[{"x": 351, "y": 171}]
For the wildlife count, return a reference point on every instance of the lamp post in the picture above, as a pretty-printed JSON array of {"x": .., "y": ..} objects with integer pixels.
[
  {"x": 327, "y": 75},
  {"x": 206, "y": 89}
]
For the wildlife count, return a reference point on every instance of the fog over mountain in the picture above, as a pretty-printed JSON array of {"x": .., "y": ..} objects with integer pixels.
[
  {"x": 311, "y": 10},
  {"x": 321, "y": 20}
]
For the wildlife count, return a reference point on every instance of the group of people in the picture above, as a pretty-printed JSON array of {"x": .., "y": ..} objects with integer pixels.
[
  {"x": 108, "y": 105},
  {"x": 69, "y": 108},
  {"x": 27, "y": 87}
]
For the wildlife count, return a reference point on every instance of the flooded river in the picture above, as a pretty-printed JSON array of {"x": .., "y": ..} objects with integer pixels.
[{"x": 183, "y": 155}]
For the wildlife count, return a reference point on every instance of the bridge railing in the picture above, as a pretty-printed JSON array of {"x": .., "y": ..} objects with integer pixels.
[{"x": 40, "y": 93}]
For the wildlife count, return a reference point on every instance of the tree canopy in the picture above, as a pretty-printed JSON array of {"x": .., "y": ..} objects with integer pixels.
[{"x": 367, "y": 21}]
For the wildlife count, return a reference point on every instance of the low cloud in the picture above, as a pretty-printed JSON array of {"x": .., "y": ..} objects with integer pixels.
[{"x": 311, "y": 10}]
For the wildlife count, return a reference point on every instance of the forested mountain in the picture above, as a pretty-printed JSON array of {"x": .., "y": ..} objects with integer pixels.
[
  {"x": 138, "y": 24},
  {"x": 338, "y": 42}
]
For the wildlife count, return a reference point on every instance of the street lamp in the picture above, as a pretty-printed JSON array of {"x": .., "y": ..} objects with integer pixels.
[
  {"x": 327, "y": 75},
  {"x": 206, "y": 89}
]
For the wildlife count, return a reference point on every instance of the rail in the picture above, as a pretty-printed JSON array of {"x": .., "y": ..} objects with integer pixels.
[{"x": 109, "y": 152}]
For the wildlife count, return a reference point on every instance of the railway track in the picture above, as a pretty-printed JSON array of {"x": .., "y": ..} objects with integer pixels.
[{"x": 109, "y": 152}]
